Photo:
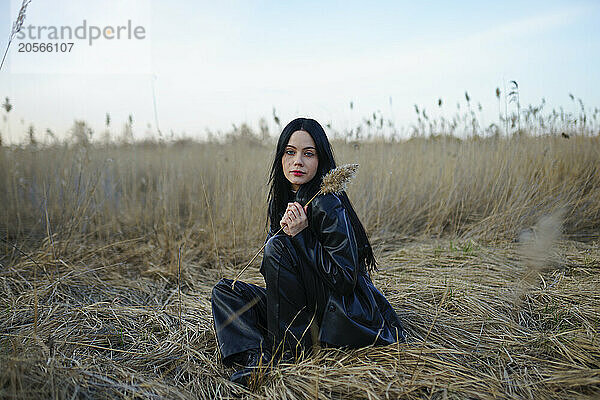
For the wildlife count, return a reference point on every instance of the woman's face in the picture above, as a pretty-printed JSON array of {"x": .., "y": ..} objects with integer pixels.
[{"x": 300, "y": 159}]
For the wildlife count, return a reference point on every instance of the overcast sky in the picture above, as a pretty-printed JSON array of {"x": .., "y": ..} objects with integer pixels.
[{"x": 214, "y": 64}]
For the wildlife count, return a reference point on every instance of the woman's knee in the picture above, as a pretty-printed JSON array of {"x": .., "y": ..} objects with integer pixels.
[
  {"x": 279, "y": 254},
  {"x": 223, "y": 286}
]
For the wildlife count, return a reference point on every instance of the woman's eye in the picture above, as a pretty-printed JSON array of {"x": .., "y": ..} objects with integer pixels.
[
  {"x": 308, "y": 154},
  {"x": 290, "y": 152}
]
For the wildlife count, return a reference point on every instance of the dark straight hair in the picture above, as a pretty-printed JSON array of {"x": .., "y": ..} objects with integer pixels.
[{"x": 280, "y": 192}]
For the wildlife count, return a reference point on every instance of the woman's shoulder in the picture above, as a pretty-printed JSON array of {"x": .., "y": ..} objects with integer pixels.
[{"x": 327, "y": 202}]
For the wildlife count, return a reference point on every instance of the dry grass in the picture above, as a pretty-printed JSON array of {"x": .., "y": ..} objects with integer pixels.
[
  {"x": 93, "y": 312},
  {"x": 486, "y": 189},
  {"x": 107, "y": 326}
]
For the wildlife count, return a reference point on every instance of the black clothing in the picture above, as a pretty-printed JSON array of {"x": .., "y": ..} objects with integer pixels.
[
  {"x": 356, "y": 313},
  {"x": 248, "y": 330},
  {"x": 280, "y": 314},
  {"x": 316, "y": 289}
]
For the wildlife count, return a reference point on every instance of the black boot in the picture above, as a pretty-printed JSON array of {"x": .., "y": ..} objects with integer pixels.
[{"x": 252, "y": 362}]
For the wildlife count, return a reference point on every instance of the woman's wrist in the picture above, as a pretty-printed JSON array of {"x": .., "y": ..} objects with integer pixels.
[{"x": 299, "y": 232}]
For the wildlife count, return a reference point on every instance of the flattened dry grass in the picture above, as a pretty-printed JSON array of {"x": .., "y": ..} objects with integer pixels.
[{"x": 106, "y": 325}]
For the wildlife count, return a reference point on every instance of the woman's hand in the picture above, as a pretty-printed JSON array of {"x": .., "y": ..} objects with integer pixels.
[{"x": 294, "y": 219}]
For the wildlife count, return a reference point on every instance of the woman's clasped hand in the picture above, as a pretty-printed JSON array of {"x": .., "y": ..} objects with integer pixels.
[{"x": 294, "y": 219}]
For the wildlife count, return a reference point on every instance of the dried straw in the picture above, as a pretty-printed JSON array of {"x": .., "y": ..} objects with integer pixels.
[{"x": 108, "y": 327}]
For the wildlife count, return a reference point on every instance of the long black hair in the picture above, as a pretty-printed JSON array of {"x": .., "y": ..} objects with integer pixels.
[{"x": 280, "y": 193}]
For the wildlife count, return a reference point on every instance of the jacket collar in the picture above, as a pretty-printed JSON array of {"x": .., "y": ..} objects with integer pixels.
[{"x": 302, "y": 195}]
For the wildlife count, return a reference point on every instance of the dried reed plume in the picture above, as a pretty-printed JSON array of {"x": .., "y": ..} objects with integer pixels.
[
  {"x": 16, "y": 28},
  {"x": 335, "y": 181}
]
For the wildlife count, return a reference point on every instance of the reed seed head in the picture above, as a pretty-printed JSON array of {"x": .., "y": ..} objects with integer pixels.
[
  {"x": 18, "y": 24},
  {"x": 336, "y": 180}
]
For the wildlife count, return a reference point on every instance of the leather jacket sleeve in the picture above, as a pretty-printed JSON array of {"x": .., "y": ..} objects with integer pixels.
[{"x": 329, "y": 244}]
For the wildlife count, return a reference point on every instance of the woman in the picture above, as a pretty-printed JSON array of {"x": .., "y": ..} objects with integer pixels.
[{"x": 316, "y": 271}]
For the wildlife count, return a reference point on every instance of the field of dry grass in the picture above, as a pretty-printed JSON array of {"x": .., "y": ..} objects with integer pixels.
[{"x": 498, "y": 303}]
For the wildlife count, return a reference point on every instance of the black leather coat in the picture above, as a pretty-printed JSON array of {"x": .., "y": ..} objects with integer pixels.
[{"x": 356, "y": 313}]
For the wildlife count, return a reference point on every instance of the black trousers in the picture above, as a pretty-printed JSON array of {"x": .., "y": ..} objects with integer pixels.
[{"x": 283, "y": 318}]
